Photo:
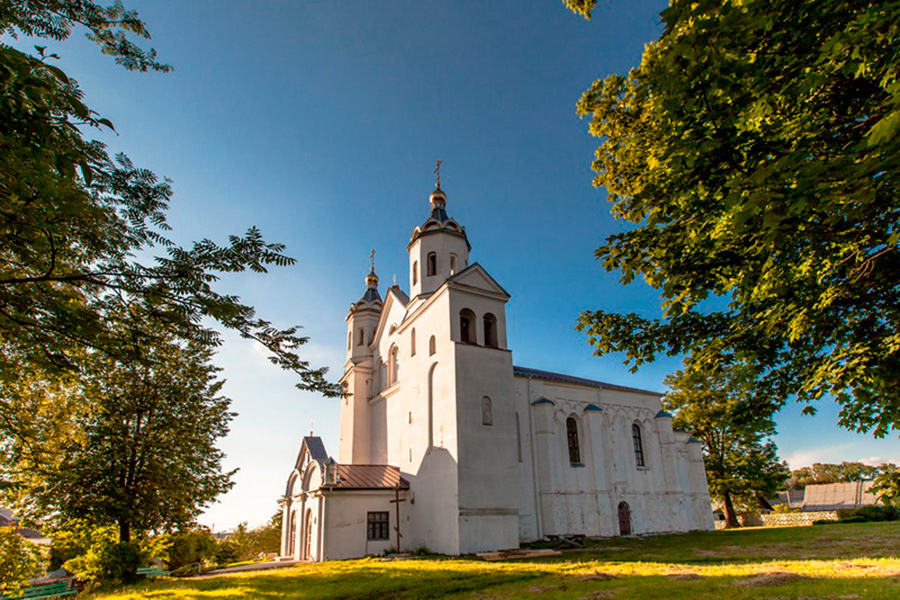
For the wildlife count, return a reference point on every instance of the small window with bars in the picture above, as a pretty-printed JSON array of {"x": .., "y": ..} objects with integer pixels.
[
  {"x": 572, "y": 435},
  {"x": 378, "y": 526}
]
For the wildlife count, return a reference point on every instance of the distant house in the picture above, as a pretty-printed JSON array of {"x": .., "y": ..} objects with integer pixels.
[
  {"x": 8, "y": 519},
  {"x": 828, "y": 496}
]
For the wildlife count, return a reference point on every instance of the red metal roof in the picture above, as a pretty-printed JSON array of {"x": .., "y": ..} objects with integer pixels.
[{"x": 369, "y": 477}]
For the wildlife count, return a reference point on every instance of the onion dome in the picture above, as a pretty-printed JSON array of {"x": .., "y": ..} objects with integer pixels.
[
  {"x": 439, "y": 220},
  {"x": 371, "y": 296}
]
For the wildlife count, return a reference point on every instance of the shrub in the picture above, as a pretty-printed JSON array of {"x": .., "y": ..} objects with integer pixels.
[
  {"x": 869, "y": 513},
  {"x": 20, "y": 560},
  {"x": 189, "y": 547},
  {"x": 109, "y": 563},
  {"x": 227, "y": 552}
]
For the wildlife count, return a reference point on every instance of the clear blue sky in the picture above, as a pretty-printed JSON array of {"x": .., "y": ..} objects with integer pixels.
[{"x": 320, "y": 122}]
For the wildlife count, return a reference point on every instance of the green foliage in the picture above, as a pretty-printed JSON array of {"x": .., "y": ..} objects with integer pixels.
[
  {"x": 771, "y": 562},
  {"x": 581, "y": 7},
  {"x": 191, "y": 547},
  {"x": 108, "y": 563},
  {"x": 109, "y": 405},
  {"x": 20, "y": 560},
  {"x": 869, "y": 514},
  {"x": 756, "y": 151},
  {"x": 142, "y": 450},
  {"x": 73, "y": 219},
  {"x": 785, "y": 509},
  {"x": 227, "y": 552},
  {"x": 75, "y": 539},
  {"x": 741, "y": 460},
  {"x": 108, "y": 26},
  {"x": 887, "y": 485},
  {"x": 267, "y": 538}
]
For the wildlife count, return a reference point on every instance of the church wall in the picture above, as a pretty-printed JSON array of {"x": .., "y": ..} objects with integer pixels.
[
  {"x": 414, "y": 421},
  {"x": 488, "y": 461},
  {"x": 345, "y": 518},
  {"x": 559, "y": 497}
]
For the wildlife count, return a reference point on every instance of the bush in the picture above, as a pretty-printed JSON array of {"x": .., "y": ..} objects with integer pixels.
[
  {"x": 190, "y": 547},
  {"x": 869, "y": 513},
  {"x": 227, "y": 552},
  {"x": 20, "y": 560},
  {"x": 109, "y": 563}
]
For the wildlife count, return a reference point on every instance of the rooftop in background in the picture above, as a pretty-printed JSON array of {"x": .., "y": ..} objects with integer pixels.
[{"x": 550, "y": 376}]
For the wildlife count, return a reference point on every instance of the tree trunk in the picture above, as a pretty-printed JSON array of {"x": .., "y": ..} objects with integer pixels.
[
  {"x": 731, "y": 519},
  {"x": 124, "y": 531}
]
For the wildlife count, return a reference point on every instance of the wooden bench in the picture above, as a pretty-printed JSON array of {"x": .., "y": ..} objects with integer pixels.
[
  {"x": 53, "y": 590},
  {"x": 152, "y": 571}
]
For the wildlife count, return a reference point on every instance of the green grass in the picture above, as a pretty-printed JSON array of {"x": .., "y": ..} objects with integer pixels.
[{"x": 839, "y": 562}]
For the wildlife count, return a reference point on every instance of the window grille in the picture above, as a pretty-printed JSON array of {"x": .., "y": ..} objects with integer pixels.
[{"x": 378, "y": 526}]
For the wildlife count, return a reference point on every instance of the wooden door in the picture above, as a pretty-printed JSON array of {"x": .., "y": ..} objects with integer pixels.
[{"x": 624, "y": 519}]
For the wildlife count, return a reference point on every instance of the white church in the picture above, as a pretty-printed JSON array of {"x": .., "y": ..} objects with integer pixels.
[{"x": 445, "y": 444}]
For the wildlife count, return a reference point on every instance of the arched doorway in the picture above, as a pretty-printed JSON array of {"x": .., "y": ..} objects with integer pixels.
[
  {"x": 307, "y": 538},
  {"x": 291, "y": 549},
  {"x": 624, "y": 519}
]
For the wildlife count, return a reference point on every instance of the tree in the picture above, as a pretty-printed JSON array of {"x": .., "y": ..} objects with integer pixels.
[
  {"x": 887, "y": 485},
  {"x": 741, "y": 460},
  {"x": 755, "y": 149},
  {"x": 139, "y": 447},
  {"x": 72, "y": 219},
  {"x": 20, "y": 560}
]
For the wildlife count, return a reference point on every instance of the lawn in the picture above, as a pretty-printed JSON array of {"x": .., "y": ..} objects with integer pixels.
[{"x": 830, "y": 561}]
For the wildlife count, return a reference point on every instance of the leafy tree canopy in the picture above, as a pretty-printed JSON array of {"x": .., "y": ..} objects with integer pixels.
[
  {"x": 73, "y": 219},
  {"x": 887, "y": 485},
  {"x": 132, "y": 443},
  {"x": 755, "y": 148},
  {"x": 741, "y": 460}
]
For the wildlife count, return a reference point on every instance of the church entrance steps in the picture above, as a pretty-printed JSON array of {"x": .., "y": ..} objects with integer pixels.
[{"x": 516, "y": 553}]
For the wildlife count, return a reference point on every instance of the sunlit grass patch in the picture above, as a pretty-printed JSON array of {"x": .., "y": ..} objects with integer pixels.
[{"x": 835, "y": 562}]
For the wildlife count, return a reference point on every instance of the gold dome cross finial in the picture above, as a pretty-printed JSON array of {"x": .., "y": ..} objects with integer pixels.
[{"x": 437, "y": 172}]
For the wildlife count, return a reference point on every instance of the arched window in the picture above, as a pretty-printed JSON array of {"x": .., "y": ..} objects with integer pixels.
[
  {"x": 359, "y": 342},
  {"x": 432, "y": 346},
  {"x": 487, "y": 413},
  {"x": 349, "y": 340},
  {"x": 638, "y": 445},
  {"x": 394, "y": 368},
  {"x": 452, "y": 264},
  {"x": 412, "y": 342},
  {"x": 572, "y": 437},
  {"x": 467, "y": 326},
  {"x": 432, "y": 264},
  {"x": 490, "y": 330},
  {"x": 415, "y": 273}
]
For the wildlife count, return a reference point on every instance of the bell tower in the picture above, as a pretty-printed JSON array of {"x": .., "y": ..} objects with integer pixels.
[
  {"x": 362, "y": 319},
  {"x": 438, "y": 249}
]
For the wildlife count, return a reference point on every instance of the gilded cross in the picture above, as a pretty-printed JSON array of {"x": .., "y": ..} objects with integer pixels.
[{"x": 437, "y": 172}]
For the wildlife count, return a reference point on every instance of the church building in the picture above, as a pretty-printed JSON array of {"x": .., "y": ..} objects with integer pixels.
[{"x": 446, "y": 444}]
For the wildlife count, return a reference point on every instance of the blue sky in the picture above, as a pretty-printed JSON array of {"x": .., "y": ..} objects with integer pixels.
[{"x": 320, "y": 122}]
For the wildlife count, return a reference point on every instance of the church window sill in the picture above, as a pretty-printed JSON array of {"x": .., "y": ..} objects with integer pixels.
[{"x": 575, "y": 464}]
